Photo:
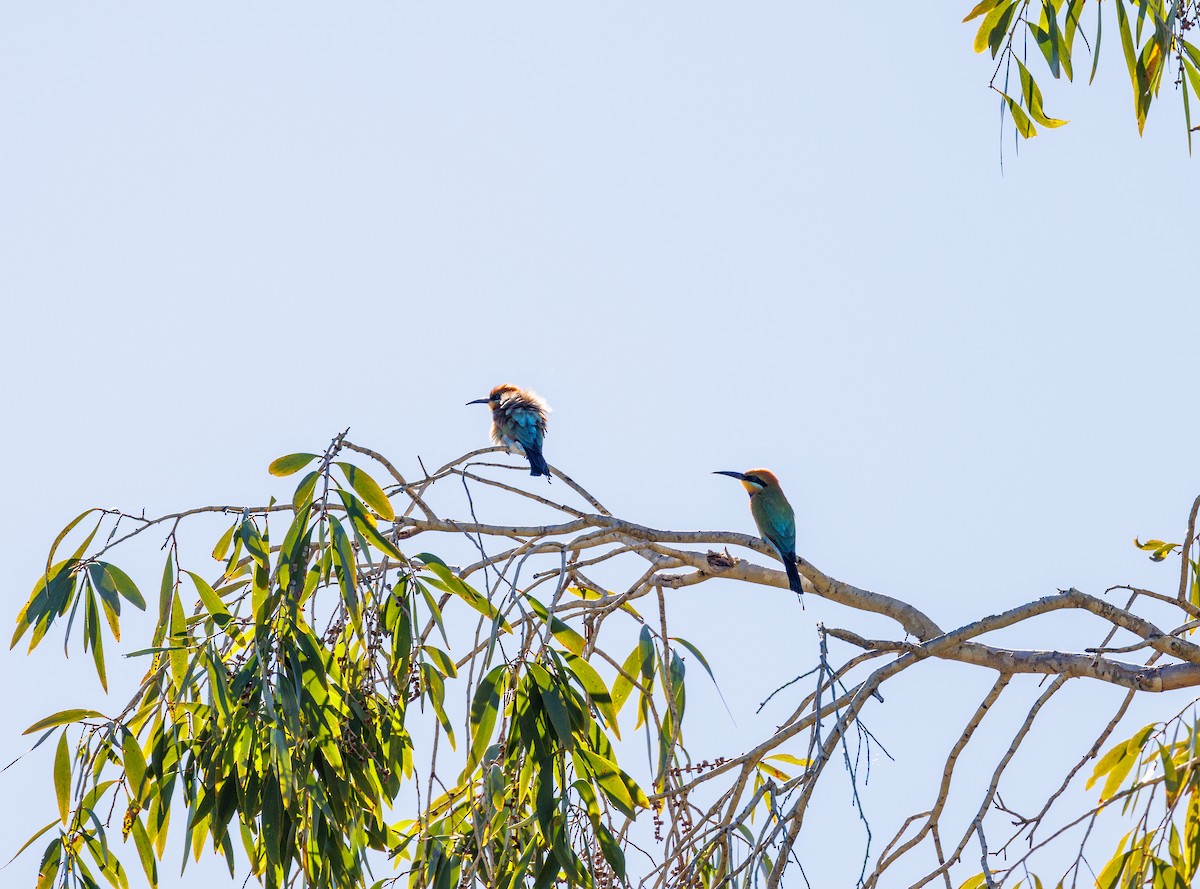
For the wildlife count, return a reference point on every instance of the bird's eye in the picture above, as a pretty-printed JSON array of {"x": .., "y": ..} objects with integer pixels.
[{"x": 496, "y": 397}]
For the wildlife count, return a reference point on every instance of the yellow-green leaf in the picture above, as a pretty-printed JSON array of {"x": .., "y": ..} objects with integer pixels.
[
  {"x": 221, "y": 550},
  {"x": 289, "y": 464},
  {"x": 62, "y": 777},
  {"x": 368, "y": 489},
  {"x": 62, "y": 717},
  {"x": 1020, "y": 119},
  {"x": 570, "y": 639},
  {"x": 982, "y": 7},
  {"x": 994, "y": 27},
  {"x": 1033, "y": 98},
  {"x": 135, "y": 765}
]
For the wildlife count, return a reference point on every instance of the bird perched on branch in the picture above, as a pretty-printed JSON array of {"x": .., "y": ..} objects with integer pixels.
[
  {"x": 519, "y": 423},
  {"x": 774, "y": 517}
]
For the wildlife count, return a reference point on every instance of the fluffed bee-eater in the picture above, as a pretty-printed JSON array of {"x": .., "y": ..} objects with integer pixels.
[
  {"x": 774, "y": 517},
  {"x": 519, "y": 423}
]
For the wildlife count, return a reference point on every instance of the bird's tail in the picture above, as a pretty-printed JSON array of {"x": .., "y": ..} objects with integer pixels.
[
  {"x": 793, "y": 573},
  {"x": 537, "y": 463}
]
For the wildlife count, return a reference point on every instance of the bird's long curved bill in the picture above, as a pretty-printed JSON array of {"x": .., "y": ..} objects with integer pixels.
[
  {"x": 479, "y": 401},
  {"x": 740, "y": 476}
]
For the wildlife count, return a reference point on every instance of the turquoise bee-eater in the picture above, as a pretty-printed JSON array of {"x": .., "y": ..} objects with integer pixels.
[
  {"x": 519, "y": 423},
  {"x": 774, "y": 516}
]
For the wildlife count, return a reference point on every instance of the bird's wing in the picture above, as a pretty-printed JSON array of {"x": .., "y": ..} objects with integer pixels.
[
  {"x": 529, "y": 426},
  {"x": 777, "y": 526}
]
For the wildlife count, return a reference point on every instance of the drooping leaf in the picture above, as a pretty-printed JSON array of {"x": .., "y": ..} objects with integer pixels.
[
  {"x": 304, "y": 491},
  {"x": 984, "y": 6},
  {"x": 221, "y": 550},
  {"x": 552, "y": 702},
  {"x": 447, "y": 580},
  {"x": 62, "y": 778},
  {"x": 597, "y": 691},
  {"x": 369, "y": 490},
  {"x": 1024, "y": 127},
  {"x": 994, "y": 27},
  {"x": 621, "y": 790},
  {"x": 484, "y": 709},
  {"x": 135, "y": 765},
  {"x": 62, "y": 535},
  {"x": 622, "y": 686},
  {"x": 51, "y": 595},
  {"x": 570, "y": 639},
  {"x": 1033, "y": 98},
  {"x": 365, "y": 523},
  {"x": 211, "y": 600}
]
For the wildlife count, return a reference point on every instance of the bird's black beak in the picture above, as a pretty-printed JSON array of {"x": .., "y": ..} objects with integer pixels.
[
  {"x": 479, "y": 401},
  {"x": 740, "y": 476}
]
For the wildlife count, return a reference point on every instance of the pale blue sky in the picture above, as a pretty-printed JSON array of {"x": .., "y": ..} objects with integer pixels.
[{"x": 712, "y": 236}]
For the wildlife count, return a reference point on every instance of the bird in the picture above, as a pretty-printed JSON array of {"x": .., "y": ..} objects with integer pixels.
[
  {"x": 519, "y": 423},
  {"x": 774, "y": 517}
]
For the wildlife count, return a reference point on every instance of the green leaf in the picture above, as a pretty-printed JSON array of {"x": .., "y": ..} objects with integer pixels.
[
  {"x": 994, "y": 27},
  {"x": 1033, "y": 98},
  {"x": 982, "y": 7},
  {"x": 1074, "y": 9},
  {"x": 180, "y": 640},
  {"x": 1096, "y": 48},
  {"x": 135, "y": 765},
  {"x": 145, "y": 851},
  {"x": 792, "y": 760},
  {"x": 484, "y": 710},
  {"x": 365, "y": 523},
  {"x": 704, "y": 663},
  {"x": 570, "y": 639},
  {"x": 442, "y": 661},
  {"x": 63, "y": 717},
  {"x": 51, "y": 595},
  {"x": 1187, "y": 106},
  {"x": 1192, "y": 53},
  {"x": 29, "y": 842},
  {"x": 1024, "y": 127},
  {"x": 596, "y": 690},
  {"x": 92, "y": 624},
  {"x": 62, "y": 778},
  {"x": 289, "y": 464},
  {"x": 435, "y": 688},
  {"x": 211, "y": 600},
  {"x": 1111, "y": 874},
  {"x": 103, "y": 584},
  {"x": 368, "y": 489},
  {"x": 254, "y": 543},
  {"x": 1117, "y": 763},
  {"x": 447, "y": 580},
  {"x": 623, "y": 686},
  {"x": 304, "y": 491},
  {"x": 62, "y": 535},
  {"x": 50, "y": 864},
  {"x": 221, "y": 550},
  {"x": 1130, "y": 62},
  {"x": 621, "y": 790},
  {"x": 124, "y": 585},
  {"x": 165, "y": 589},
  {"x": 553, "y": 703},
  {"x": 347, "y": 570},
  {"x": 613, "y": 853},
  {"x": 111, "y": 582},
  {"x": 1050, "y": 41}
]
